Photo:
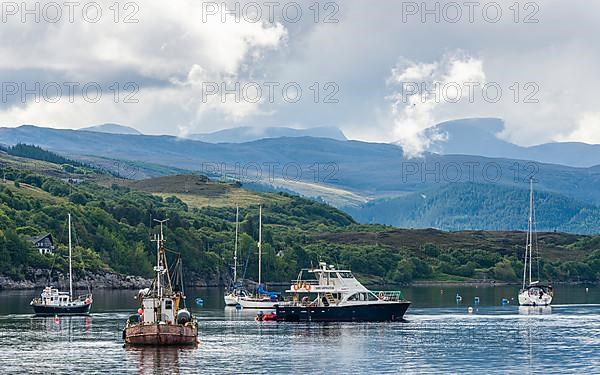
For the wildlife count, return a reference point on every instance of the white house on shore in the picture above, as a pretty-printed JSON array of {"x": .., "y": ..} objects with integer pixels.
[{"x": 44, "y": 243}]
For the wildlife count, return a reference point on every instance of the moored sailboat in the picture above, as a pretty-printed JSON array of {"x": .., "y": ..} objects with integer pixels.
[
  {"x": 532, "y": 293},
  {"x": 161, "y": 321},
  {"x": 263, "y": 299},
  {"x": 52, "y": 302},
  {"x": 236, "y": 291}
]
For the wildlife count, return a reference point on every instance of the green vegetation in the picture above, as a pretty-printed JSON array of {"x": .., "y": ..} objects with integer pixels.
[
  {"x": 38, "y": 153},
  {"x": 112, "y": 226},
  {"x": 401, "y": 255},
  {"x": 464, "y": 206}
]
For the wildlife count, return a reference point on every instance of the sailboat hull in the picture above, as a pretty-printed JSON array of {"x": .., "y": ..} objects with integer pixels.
[
  {"x": 251, "y": 303},
  {"x": 47, "y": 310},
  {"x": 379, "y": 312},
  {"x": 534, "y": 299},
  {"x": 231, "y": 300},
  {"x": 161, "y": 334}
]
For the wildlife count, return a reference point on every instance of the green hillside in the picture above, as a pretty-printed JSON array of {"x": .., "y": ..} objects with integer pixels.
[
  {"x": 467, "y": 206},
  {"x": 112, "y": 232}
]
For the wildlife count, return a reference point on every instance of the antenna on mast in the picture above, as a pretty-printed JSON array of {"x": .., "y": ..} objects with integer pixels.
[
  {"x": 70, "y": 263},
  {"x": 259, "y": 243},
  {"x": 159, "y": 255},
  {"x": 235, "y": 251}
]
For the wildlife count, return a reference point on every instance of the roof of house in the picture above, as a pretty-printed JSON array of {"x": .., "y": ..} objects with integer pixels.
[{"x": 37, "y": 239}]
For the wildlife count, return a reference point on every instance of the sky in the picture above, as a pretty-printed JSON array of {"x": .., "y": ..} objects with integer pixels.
[{"x": 381, "y": 71}]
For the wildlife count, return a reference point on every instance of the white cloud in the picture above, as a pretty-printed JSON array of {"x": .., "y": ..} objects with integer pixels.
[
  {"x": 423, "y": 88},
  {"x": 169, "y": 51},
  {"x": 587, "y": 130}
]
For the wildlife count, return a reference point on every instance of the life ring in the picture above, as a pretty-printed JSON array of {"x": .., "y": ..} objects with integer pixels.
[
  {"x": 296, "y": 286},
  {"x": 307, "y": 287},
  {"x": 381, "y": 295}
]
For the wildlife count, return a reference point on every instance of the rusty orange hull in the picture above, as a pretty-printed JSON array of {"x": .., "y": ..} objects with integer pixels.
[{"x": 161, "y": 334}]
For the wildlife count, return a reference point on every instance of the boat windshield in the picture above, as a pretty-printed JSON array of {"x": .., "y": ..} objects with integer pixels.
[
  {"x": 346, "y": 275},
  {"x": 363, "y": 297}
]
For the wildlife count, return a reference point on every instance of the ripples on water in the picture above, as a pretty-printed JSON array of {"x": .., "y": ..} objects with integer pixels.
[{"x": 509, "y": 339}]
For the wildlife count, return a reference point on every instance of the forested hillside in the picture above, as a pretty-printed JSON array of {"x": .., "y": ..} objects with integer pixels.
[
  {"x": 466, "y": 206},
  {"x": 112, "y": 226}
]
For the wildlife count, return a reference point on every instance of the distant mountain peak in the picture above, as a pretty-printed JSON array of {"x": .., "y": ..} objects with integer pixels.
[
  {"x": 112, "y": 128},
  {"x": 249, "y": 133},
  {"x": 479, "y": 136}
]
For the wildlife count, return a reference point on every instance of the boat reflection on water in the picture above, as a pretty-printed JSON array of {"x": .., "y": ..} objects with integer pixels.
[
  {"x": 236, "y": 313},
  {"x": 535, "y": 310},
  {"x": 156, "y": 359},
  {"x": 67, "y": 326}
]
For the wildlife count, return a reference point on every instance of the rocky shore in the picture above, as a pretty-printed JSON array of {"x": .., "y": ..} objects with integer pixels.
[{"x": 38, "y": 278}]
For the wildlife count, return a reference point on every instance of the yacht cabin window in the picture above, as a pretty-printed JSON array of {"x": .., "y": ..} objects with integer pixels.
[
  {"x": 346, "y": 275},
  {"x": 363, "y": 297}
]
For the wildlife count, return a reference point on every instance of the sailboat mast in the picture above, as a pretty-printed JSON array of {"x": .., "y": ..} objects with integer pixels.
[
  {"x": 70, "y": 263},
  {"x": 237, "y": 227},
  {"x": 259, "y": 243},
  {"x": 159, "y": 260},
  {"x": 530, "y": 231},
  {"x": 159, "y": 255},
  {"x": 525, "y": 260}
]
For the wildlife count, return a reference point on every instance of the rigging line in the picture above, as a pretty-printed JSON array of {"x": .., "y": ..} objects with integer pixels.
[
  {"x": 172, "y": 251},
  {"x": 77, "y": 243},
  {"x": 55, "y": 255},
  {"x": 179, "y": 261},
  {"x": 246, "y": 265},
  {"x": 537, "y": 250}
]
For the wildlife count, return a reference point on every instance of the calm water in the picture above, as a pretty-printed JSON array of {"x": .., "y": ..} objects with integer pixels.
[{"x": 438, "y": 336}]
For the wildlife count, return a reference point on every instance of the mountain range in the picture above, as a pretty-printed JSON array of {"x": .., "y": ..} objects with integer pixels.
[
  {"x": 479, "y": 136},
  {"x": 112, "y": 129},
  {"x": 248, "y": 134},
  {"x": 372, "y": 181}
]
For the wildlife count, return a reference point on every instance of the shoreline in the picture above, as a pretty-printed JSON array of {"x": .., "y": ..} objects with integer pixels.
[{"x": 114, "y": 281}]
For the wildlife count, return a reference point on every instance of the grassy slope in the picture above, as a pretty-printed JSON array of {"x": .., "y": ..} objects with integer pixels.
[
  {"x": 197, "y": 192},
  {"x": 554, "y": 246}
]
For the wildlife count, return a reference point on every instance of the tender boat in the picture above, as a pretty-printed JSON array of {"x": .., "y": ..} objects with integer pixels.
[
  {"x": 232, "y": 298},
  {"x": 533, "y": 293},
  {"x": 161, "y": 321},
  {"x": 263, "y": 299},
  {"x": 52, "y": 302},
  {"x": 338, "y": 297}
]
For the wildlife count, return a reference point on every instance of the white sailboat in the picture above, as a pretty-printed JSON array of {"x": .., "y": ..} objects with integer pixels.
[
  {"x": 532, "y": 293},
  {"x": 263, "y": 299},
  {"x": 236, "y": 291},
  {"x": 53, "y": 302}
]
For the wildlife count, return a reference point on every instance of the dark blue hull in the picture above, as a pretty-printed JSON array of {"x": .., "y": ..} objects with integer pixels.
[
  {"x": 45, "y": 310},
  {"x": 381, "y": 312}
]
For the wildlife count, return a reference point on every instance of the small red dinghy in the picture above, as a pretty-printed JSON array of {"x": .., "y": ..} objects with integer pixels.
[{"x": 261, "y": 317}]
